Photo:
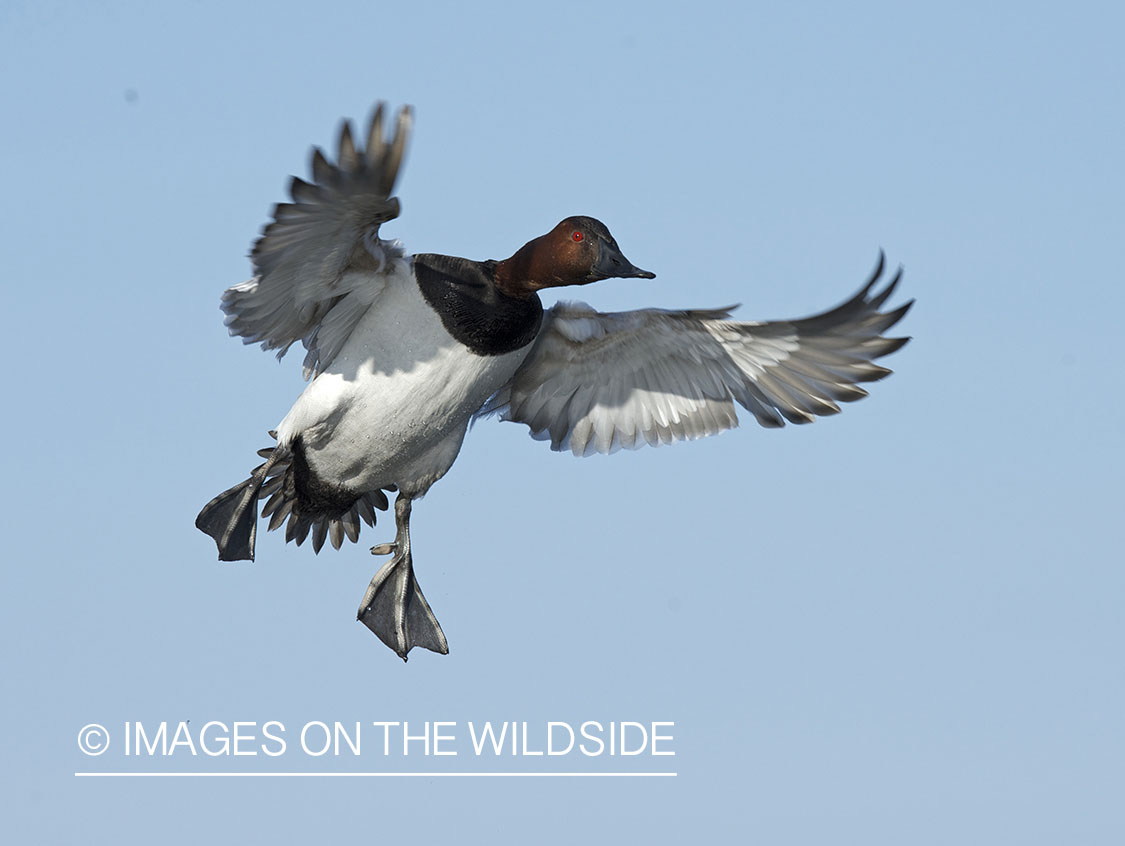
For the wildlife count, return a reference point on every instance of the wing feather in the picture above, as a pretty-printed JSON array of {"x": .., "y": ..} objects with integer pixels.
[
  {"x": 319, "y": 265},
  {"x": 597, "y": 382}
]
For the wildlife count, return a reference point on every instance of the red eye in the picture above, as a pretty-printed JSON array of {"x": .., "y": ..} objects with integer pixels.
[{"x": 577, "y": 236}]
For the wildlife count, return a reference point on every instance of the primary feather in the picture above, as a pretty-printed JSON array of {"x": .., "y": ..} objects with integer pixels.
[
  {"x": 596, "y": 382},
  {"x": 302, "y": 289}
]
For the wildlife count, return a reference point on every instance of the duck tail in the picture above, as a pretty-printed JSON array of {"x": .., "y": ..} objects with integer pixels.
[{"x": 231, "y": 518}]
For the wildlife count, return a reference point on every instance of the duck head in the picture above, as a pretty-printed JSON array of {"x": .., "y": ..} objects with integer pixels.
[{"x": 578, "y": 251}]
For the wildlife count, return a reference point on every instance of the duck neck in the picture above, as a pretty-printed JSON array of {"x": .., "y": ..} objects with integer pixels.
[
  {"x": 534, "y": 266},
  {"x": 515, "y": 276}
]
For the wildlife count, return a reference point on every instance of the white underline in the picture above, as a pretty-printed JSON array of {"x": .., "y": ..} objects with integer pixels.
[{"x": 368, "y": 775}]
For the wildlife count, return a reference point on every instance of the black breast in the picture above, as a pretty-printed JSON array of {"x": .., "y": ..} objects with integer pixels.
[{"x": 472, "y": 310}]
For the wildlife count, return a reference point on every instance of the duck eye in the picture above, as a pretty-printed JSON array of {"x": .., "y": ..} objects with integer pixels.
[{"x": 577, "y": 236}]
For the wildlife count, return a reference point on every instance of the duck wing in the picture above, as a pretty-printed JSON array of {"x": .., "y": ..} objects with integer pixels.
[
  {"x": 596, "y": 382},
  {"x": 319, "y": 265}
]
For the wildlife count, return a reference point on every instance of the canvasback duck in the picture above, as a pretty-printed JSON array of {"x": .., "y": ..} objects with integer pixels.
[{"x": 404, "y": 351}]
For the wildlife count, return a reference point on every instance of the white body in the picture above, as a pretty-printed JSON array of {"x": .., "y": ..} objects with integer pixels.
[{"x": 393, "y": 406}]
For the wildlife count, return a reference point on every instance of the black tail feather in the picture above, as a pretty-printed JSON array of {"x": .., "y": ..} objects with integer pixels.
[{"x": 231, "y": 518}]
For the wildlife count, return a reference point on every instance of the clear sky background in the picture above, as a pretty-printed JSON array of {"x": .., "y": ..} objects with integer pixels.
[{"x": 899, "y": 625}]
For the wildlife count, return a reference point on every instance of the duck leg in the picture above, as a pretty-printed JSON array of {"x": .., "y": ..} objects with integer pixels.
[{"x": 394, "y": 607}]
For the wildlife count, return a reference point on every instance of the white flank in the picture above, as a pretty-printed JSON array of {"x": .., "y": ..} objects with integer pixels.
[{"x": 393, "y": 406}]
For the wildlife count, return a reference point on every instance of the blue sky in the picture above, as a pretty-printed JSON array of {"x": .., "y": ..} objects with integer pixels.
[{"x": 901, "y": 624}]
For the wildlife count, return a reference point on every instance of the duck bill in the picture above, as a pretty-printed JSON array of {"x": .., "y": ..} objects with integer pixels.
[{"x": 612, "y": 264}]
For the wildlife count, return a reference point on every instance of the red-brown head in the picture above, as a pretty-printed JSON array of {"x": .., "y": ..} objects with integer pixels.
[{"x": 578, "y": 251}]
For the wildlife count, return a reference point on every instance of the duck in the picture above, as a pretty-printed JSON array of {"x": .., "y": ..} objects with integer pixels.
[{"x": 404, "y": 352}]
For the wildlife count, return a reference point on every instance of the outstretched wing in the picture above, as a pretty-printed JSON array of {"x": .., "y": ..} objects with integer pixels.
[
  {"x": 597, "y": 382},
  {"x": 317, "y": 266}
]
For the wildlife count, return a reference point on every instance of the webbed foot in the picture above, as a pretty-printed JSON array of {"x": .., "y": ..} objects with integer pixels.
[{"x": 394, "y": 607}]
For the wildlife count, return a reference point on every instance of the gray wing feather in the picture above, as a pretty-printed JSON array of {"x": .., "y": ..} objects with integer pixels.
[
  {"x": 319, "y": 265},
  {"x": 597, "y": 382}
]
